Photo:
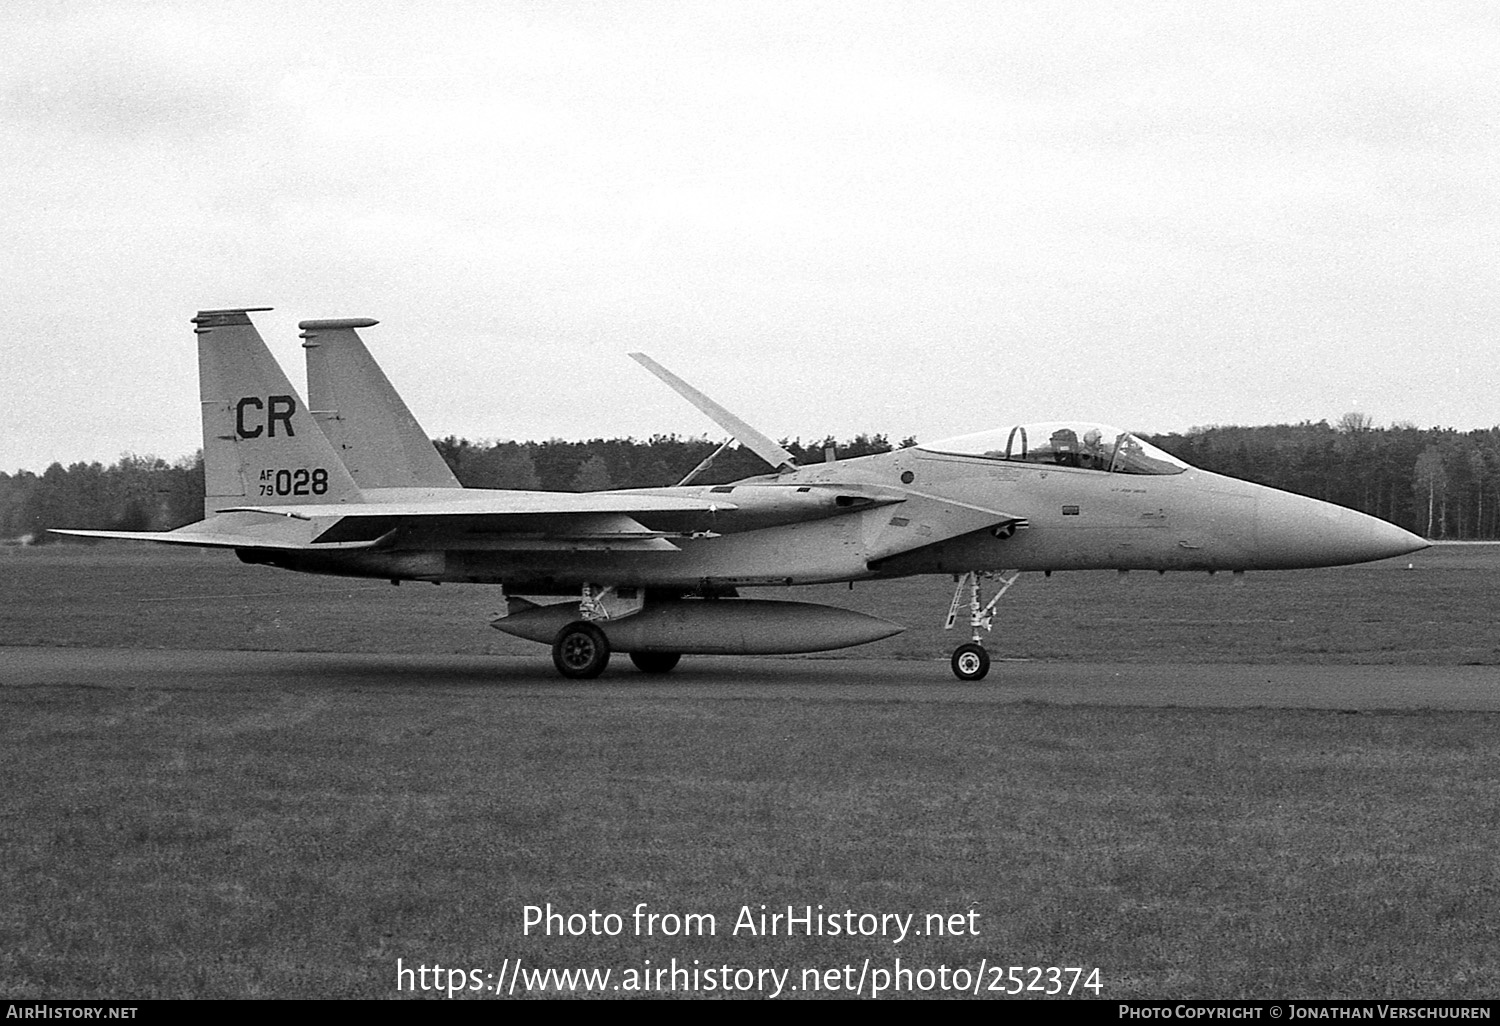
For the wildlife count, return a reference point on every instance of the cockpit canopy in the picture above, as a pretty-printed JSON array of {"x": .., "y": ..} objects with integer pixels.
[{"x": 1065, "y": 444}]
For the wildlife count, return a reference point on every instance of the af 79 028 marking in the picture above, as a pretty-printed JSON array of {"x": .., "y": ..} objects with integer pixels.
[{"x": 302, "y": 481}]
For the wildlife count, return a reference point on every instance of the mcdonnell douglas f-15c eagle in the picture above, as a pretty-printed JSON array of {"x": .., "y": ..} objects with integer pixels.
[{"x": 351, "y": 485}]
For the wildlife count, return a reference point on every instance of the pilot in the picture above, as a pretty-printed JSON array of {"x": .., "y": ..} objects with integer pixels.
[
  {"x": 1093, "y": 450},
  {"x": 1065, "y": 447}
]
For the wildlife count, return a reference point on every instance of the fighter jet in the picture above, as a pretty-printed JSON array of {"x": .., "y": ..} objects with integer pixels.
[{"x": 351, "y": 485}]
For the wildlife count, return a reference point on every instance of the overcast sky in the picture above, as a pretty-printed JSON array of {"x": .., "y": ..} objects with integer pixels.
[{"x": 919, "y": 219}]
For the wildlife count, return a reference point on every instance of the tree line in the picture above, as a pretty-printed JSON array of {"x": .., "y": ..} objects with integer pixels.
[
  {"x": 147, "y": 493},
  {"x": 1438, "y": 482}
]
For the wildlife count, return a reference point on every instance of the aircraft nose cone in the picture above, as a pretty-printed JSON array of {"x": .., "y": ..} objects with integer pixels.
[{"x": 1296, "y": 531}]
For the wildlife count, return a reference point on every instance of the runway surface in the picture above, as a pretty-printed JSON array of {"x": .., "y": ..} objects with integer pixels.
[{"x": 1363, "y": 688}]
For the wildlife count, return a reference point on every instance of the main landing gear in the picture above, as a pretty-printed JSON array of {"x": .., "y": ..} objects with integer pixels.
[
  {"x": 581, "y": 650},
  {"x": 971, "y": 661}
]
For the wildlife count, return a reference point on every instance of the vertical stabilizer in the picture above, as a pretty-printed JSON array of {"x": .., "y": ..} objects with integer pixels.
[
  {"x": 260, "y": 443},
  {"x": 363, "y": 416}
]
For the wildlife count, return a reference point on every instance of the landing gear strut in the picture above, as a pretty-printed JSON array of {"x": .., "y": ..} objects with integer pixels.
[
  {"x": 581, "y": 650},
  {"x": 971, "y": 661}
]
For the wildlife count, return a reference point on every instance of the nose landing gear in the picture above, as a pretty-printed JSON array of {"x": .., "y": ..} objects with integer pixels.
[{"x": 971, "y": 661}]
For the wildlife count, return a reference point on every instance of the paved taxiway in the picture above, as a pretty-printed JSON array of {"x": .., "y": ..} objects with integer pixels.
[{"x": 1206, "y": 685}]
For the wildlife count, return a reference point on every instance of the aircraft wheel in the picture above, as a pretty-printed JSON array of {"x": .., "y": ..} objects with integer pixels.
[
  {"x": 970, "y": 662},
  {"x": 655, "y": 662},
  {"x": 581, "y": 651}
]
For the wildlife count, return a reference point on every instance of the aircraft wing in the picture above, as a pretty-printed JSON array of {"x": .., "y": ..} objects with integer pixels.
[
  {"x": 483, "y": 502},
  {"x": 505, "y": 520},
  {"x": 509, "y": 520}
]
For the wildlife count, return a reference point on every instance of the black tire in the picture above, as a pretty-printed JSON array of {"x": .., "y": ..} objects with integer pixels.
[
  {"x": 580, "y": 651},
  {"x": 970, "y": 662},
  {"x": 655, "y": 662}
]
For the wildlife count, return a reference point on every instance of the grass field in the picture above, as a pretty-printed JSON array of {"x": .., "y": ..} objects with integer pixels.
[{"x": 295, "y": 837}]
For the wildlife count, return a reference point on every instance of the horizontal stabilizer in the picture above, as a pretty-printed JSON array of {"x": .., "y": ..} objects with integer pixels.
[{"x": 213, "y": 540}]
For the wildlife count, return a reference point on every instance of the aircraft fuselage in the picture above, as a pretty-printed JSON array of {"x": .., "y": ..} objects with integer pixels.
[{"x": 900, "y": 513}]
